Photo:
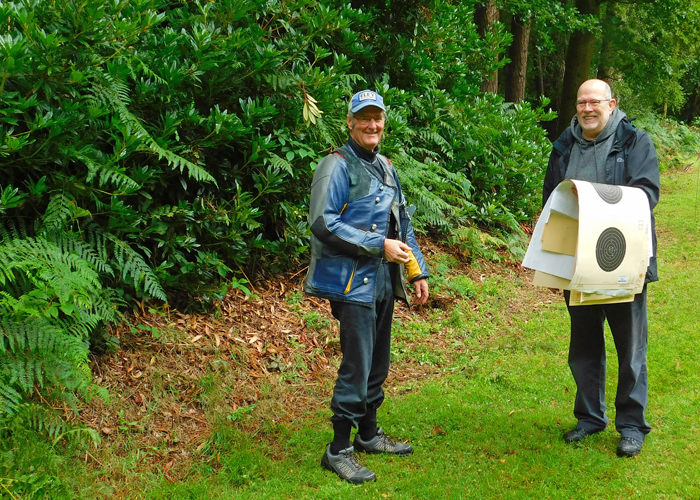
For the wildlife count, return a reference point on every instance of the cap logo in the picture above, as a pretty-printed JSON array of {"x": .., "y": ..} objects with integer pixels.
[{"x": 372, "y": 96}]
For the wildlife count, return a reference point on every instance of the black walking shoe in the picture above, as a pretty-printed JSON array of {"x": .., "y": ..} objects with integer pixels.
[
  {"x": 577, "y": 434},
  {"x": 381, "y": 444},
  {"x": 345, "y": 464},
  {"x": 629, "y": 447}
]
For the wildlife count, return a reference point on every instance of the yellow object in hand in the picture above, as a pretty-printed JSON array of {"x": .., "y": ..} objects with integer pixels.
[{"x": 412, "y": 267}]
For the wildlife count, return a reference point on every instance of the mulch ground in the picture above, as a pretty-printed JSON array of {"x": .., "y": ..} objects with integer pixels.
[{"x": 176, "y": 375}]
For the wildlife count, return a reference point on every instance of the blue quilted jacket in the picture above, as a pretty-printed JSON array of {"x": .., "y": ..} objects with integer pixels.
[{"x": 349, "y": 216}]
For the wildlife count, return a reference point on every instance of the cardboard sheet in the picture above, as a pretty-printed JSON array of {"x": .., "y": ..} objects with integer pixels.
[
  {"x": 549, "y": 280},
  {"x": 586, "y": 299},
  {"x": 560, "y": 234}
]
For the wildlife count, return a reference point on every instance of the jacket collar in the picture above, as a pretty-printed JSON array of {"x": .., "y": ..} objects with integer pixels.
[
  {"x": 623, "y": 134},
  {"x": 362, "y": 153}
]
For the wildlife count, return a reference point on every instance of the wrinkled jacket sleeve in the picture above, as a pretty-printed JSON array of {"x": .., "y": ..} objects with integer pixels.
[
  {"x": 329, "y": 196},
  {"x": 643, "y": 167},
  {"x": 551, "y": 177},
  {"x": 556, "y": 166}
]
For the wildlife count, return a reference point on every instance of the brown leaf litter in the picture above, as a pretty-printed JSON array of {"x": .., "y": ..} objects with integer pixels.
[{"x": 176, "y": 375}]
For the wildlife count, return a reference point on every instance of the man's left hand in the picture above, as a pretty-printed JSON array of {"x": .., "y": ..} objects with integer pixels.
[{"x": 420, "y": 289}]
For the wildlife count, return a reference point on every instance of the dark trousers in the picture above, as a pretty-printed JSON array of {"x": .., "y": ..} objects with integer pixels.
[
  {"x": 628, "y": 323},
  {"x": 365, "y": 338}
]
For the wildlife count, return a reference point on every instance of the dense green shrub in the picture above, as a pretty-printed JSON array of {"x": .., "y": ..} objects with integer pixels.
[
  {"x": 181, "y": 132},
  {"x": 677, "y": 144},
  {"x": 176, "y": 128}
]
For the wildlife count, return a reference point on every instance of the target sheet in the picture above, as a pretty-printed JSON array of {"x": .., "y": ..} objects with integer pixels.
[{"x": 592, "y": 239}]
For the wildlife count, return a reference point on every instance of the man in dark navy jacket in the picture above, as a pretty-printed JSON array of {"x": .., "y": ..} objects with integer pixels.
[
  {"x": 362, "y": 243},
  {"x": 603, "y": 146}
]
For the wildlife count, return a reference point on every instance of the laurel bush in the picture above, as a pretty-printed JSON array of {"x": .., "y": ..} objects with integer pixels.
[
  {"x": 178, "y": 129},
  {"x": 160, "y": 150}
]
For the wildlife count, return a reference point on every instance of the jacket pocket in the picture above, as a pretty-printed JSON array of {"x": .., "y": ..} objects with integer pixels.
[{"x": 334, "y": 274}]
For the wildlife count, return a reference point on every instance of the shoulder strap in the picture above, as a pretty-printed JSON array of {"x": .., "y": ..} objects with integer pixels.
[
  {"x": 360, "y": 180},
  {"x": 389, "y": 168}
]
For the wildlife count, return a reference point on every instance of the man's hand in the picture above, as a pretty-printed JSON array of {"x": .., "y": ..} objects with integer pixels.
[
  {"x": 420, "y": 289},
  {"x": 396, "y": 251}
]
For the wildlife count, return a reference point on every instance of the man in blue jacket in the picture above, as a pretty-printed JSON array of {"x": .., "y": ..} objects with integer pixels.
[
  {"x": 603, "y": 146},
  {"x": 362, "y": 244}
]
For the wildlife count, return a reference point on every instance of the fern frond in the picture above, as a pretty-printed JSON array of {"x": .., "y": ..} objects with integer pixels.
[
  {"x": 51, "y": 298},
  {"x": 42, "y": 261},
  {"x": 43, "y": 420},
  {"x": 114, "y": 91},
  {"x": 135, "y": 269},
  {"x": 108, "y": 173},
  {"x": 432, "y": 136},
  {"x": 58, "y": 212},
  {"x": 10, "y": 400},
  {"x": 93, "y": 251},
  {"x": 36, "y": 352},
  {"x": 280, "y": 163}
]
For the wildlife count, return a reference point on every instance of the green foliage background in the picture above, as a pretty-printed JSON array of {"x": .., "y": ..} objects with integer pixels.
[
  {"x": 164, "y": 150},
  {"x": 178, "y": 129}
]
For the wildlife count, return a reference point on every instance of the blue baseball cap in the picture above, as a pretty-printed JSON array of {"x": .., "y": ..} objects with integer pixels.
[{"x": 366, "y": 98}]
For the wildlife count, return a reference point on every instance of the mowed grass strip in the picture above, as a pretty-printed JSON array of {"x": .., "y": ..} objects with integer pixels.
[{"x": 488, "y": 422}]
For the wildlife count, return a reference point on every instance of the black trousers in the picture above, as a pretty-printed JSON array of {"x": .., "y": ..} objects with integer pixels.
[
  {"x": 587, "y": 360},
  {"x": 365, "y": 338}
]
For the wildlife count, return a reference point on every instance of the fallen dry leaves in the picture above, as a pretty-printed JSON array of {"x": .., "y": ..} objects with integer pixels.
[{"x": 275, "y": 353}]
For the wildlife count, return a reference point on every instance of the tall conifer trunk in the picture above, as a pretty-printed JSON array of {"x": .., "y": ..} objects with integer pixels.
[
  {"x": 604, "y": 69},
  {"x": 578, "y": 65},
  {"x": 485, "y": 18},
  {"x": 517, "y": 69}
]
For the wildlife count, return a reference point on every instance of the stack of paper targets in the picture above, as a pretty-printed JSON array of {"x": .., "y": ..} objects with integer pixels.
[{"x": 592, "y": 239}]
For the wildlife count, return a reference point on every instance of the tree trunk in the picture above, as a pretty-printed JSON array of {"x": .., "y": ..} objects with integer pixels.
[
  {"x": 604, "y": 69},
  {"x": 517, "y": 69},
  {"x": 539, "y": 80},
  {"x": 485, "y": 18},
  {"x": 691, "y": 105},
  {"x": 578, "y": 65},
  {"x": 553, "y": 67}
]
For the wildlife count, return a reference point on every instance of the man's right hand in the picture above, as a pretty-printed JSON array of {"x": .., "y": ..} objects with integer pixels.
[{"x": 396, "y": 251}]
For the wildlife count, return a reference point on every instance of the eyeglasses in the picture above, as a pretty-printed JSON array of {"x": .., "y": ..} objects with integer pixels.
[
  {"x": 594, "y": 103},
  {"x": 365, "y": 120}
]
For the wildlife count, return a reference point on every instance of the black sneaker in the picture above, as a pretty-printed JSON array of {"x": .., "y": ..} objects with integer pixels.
[
  {"x": 629, "y": 447},
  {"x": 578, "y": 434},
  {"x": 345, "y": 464},
  {"x": 381, "y": 444}
]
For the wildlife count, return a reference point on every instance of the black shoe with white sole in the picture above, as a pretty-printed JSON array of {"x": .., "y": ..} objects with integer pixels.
[{"x": 345, "y": 464}]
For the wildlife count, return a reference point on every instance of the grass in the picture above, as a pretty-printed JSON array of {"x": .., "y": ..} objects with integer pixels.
[
  {"x": 489, "y": 425},
  {"x": 487, "y": 415}
]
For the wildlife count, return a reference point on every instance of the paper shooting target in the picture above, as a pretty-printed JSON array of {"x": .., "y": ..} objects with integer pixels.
[
  {"x": 594, "y": 240},
  {"x": 609, "y": 194},
  {"x": 610, "y": 249}
]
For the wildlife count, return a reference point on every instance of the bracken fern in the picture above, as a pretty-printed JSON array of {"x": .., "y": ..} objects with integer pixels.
[{"x": 51, "y": 298}]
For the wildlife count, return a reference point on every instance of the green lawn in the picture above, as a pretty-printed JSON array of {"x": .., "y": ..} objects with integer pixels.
[
  {"x": 490, "y": 425},
  {"x": 487, "y": 419}
]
